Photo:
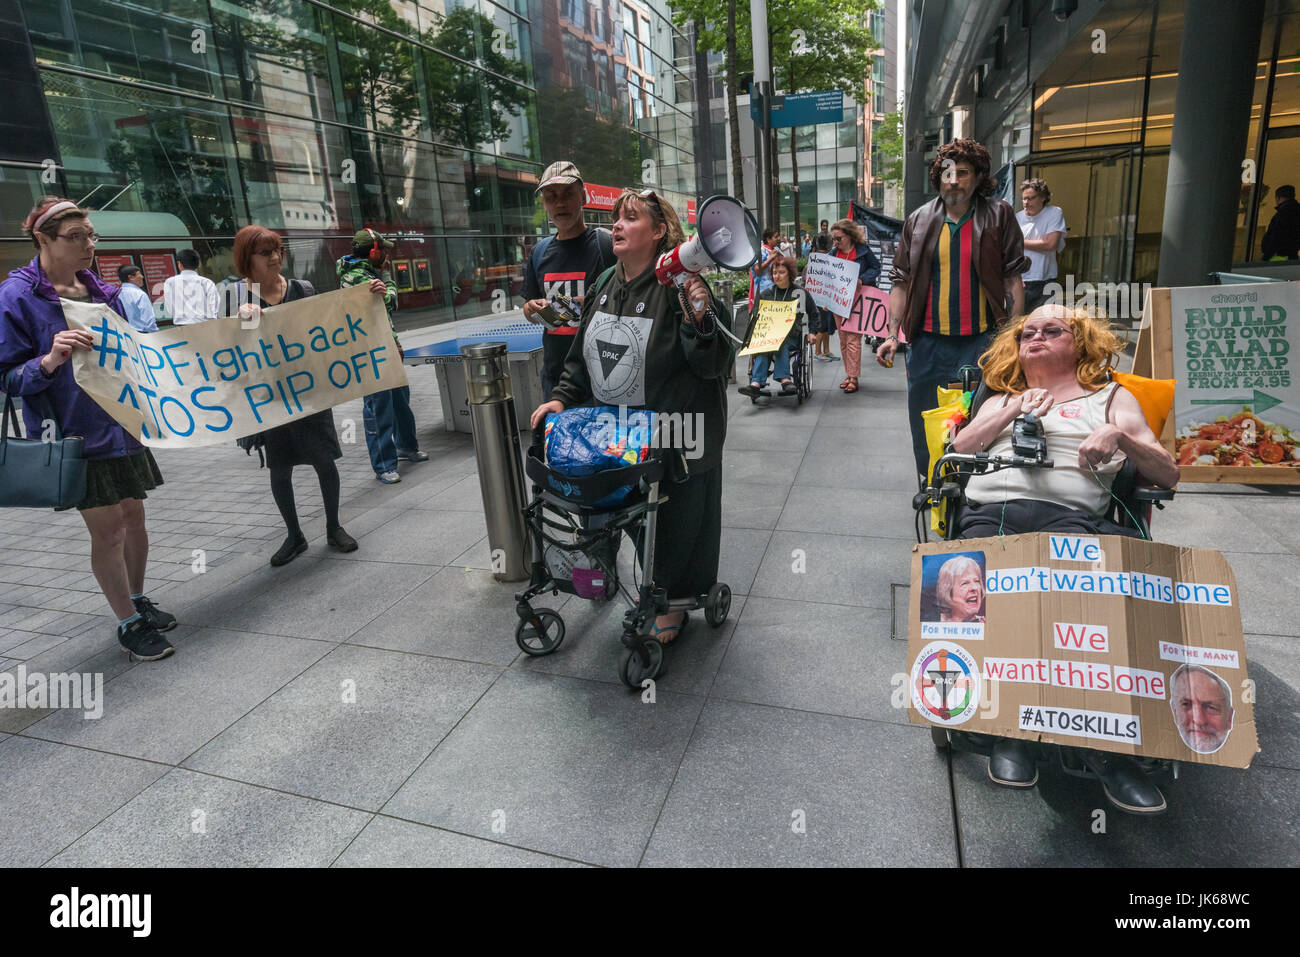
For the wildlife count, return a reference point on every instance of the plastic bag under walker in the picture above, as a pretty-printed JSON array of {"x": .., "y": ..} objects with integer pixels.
[{"x": 591, "y": 439}]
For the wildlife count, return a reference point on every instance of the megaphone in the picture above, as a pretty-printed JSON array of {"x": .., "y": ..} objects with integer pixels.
[{"x": 727, "y": 235}]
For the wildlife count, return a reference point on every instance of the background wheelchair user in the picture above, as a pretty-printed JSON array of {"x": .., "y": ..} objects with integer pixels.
[
  {"x": 1053, "y": 365},
  {"x": 784, "y": 288}
]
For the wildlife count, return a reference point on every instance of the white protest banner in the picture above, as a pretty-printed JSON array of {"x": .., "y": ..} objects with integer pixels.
[
  {"x": 771, "y": 327},
  {"x": 216, "y": 381},
  {"x": 831, "y": 281}
]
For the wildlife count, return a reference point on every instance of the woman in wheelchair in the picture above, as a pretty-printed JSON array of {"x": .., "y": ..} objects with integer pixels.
[
  {"x": 1053, "y": 365},
  {"x": 784, "y": 289}
]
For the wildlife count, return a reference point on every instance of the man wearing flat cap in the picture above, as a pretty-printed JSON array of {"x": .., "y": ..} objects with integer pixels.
[
  {"x": 390, "y": 424},
  {"x": 565, "y": 264}
]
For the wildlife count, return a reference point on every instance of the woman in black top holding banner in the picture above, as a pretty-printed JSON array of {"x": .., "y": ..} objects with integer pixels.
[{"x": 312, "y": 440}]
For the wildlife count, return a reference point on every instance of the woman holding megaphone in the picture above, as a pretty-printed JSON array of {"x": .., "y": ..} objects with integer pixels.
[{"x": 644, "y": 345}]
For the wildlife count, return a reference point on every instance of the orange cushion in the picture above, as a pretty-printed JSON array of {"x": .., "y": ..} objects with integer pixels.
[{"x": 1155, "y": 396}]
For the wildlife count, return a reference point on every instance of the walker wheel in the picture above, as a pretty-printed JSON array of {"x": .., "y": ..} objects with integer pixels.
[
  {"x": 940, "y": 738},
  {"x": 632, "y": 667},
  {"x": 717, "y": 604},
  {"x": 540, "y": 633}
]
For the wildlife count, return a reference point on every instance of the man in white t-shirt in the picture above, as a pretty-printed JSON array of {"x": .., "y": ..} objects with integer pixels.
[
  {"x": 189, "y": 297},
  {"x": 1044, "y": 229}
]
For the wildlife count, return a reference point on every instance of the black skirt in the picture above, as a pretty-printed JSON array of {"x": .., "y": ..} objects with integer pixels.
[
  {"x": 108, "y": 481},
  {"x": 309, "y": 441}
]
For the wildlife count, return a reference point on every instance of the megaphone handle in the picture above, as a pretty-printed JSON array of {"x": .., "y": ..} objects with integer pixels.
[{"x": 681, "y": 279}]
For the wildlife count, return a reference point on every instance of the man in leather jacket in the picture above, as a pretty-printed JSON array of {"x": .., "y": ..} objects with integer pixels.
[{"x": 949, "y": 313}]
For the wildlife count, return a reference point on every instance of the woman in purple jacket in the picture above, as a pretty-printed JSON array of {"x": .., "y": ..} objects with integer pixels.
[{"x": 35, "y": 345}]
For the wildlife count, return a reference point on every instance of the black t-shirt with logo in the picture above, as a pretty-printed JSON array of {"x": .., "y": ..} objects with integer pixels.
[{"x": 568, "y": 267}]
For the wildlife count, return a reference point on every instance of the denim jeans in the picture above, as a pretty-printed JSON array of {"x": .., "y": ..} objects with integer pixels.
[
  {"x": 932, "y": 363},
  {"x": 763, "y": 361},
  {"x": 390, "y": 427}
]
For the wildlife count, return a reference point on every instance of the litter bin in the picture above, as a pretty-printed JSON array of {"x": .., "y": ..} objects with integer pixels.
[
  {"x": 496, "y": 448},
  {"x": 526, "y": 384}
]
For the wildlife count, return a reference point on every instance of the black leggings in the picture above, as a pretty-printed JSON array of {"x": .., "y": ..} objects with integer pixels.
[{"x": 282, "y": 490}]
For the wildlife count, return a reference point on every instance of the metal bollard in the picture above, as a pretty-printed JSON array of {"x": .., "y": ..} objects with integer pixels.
[{"x": 496, "y": 448}]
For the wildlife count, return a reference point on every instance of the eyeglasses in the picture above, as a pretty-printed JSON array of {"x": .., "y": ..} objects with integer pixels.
[
  {"x": 1045, "y": 332},
  {"x": 80, "y": 237}
]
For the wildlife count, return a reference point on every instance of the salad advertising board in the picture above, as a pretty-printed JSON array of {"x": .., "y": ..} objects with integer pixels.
[{"x": 1236, "y": 415}]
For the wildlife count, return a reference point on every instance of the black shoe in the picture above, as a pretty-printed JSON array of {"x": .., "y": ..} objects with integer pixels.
[
  {"x": 340, "y": 540},
  {"x": 142, "y": 642},
  {"x": 752, "y": 391},
  {"x": 788, "y": 388},
  {"x": 151, "y": 613},
  {"x": 293, "y": 547},
  {"x": 1125, "y": 784},
  {"x": 1011, "y": 765}
]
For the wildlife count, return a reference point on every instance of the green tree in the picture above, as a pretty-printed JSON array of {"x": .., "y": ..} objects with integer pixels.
[
  {"x": 469, "y": 107},
  {"x": 890, "y": 147},
  {"x": 605, "y": 152},
  {"x": 819, "y": 45}
]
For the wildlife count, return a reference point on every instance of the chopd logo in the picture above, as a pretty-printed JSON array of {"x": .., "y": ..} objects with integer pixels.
[
  {"x": 77, "y": 692},
  {"x": 103, "y": 910},
  {"x": 564, "y": 488}
]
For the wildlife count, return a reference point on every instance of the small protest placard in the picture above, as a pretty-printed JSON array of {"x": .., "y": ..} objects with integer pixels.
[
  {"x": 831, "y": 281},
  {"x": 771, "y": 327},
  {"x": 870, "y": 314},
  {"x": 1102, "y": 642},
  {"x": 216, "y": 381}
]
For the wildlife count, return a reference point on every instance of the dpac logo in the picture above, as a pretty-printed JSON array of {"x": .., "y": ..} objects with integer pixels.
[{"x": 945, "y": 683}]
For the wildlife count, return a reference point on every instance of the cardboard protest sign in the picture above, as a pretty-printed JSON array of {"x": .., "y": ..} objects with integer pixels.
[
  {"x": 771, "y": 327},
  {"x": 831, "y": 281},
  {"x": 870, "y": 314},
  {"x": 1102, "y": 642},
  {"x": 1236, "y": 415},
  {"x": 216, "y": 381}
]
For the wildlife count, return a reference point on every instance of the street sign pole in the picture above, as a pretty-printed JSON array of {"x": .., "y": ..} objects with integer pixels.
[{"x": 763, "y": 90}]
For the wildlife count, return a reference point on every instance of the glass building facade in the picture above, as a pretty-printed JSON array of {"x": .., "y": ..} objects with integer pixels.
[
  {"x": 180, "y": 121},
  {"x": 1088, "y": 106}
]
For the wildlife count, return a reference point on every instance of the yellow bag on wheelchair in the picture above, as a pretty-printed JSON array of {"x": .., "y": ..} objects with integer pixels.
[{"x": 940, "y": 424}]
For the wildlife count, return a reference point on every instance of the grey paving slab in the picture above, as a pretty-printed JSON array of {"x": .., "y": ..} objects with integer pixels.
[
  {"x": 833, "y": 469},
  {"x": 592, "y": 647},
  {"x": 419, "y": 536},
  {"x": 1217, "y": 817},
  {"x": 762, "y": 436},
  {"x": 753, "y": 775},
  {"x": 836, "y": 569},
  {"x": 758, "y": 468},
  {"x": 1267, "y": 609},
  {"x": 34, "y": 645},
  {"x": 575, "y": 768},
  {"x": 465, "y": 495},
  {"x": 454, "y": 614},
  {"x": 167, "y": 710},
  {"x": 195, "y": 820},
  {"x": 833, "y": 659},
  {"x": 387, "y": 842},
  {"x": 1276, "y": 673},
  {"x": 878, "y": 513},
  {"x": 751, "y": 505},
  {"x": 1212, "y": 521},
  {"x": 37, "y": 821},
  {"x": 350, "y": 729},
  {"x": 742, "y": 551},
  {"x": 320, "y": 600}
]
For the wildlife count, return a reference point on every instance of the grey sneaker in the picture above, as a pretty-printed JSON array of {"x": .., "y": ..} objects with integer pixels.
[
  {"x": 416, "y": 456},
  {"x": 389, "y": 478}
]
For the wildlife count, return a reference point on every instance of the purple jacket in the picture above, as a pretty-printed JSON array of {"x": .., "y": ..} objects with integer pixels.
[{"x": 30, "y": 315}]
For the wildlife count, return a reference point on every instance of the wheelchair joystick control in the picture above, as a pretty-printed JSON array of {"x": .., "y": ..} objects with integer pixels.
[{"x": 1028, "y": 441}]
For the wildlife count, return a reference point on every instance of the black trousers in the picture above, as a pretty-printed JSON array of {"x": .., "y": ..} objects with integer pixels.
[
  {"x": 688, "y": 539},
  {"x": 1020, "y": 516}
]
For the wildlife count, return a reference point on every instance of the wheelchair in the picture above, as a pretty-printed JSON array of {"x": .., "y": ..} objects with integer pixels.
[
  {"x": 801, "y": 366},
  {"x": 1131, "y": 505}
]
